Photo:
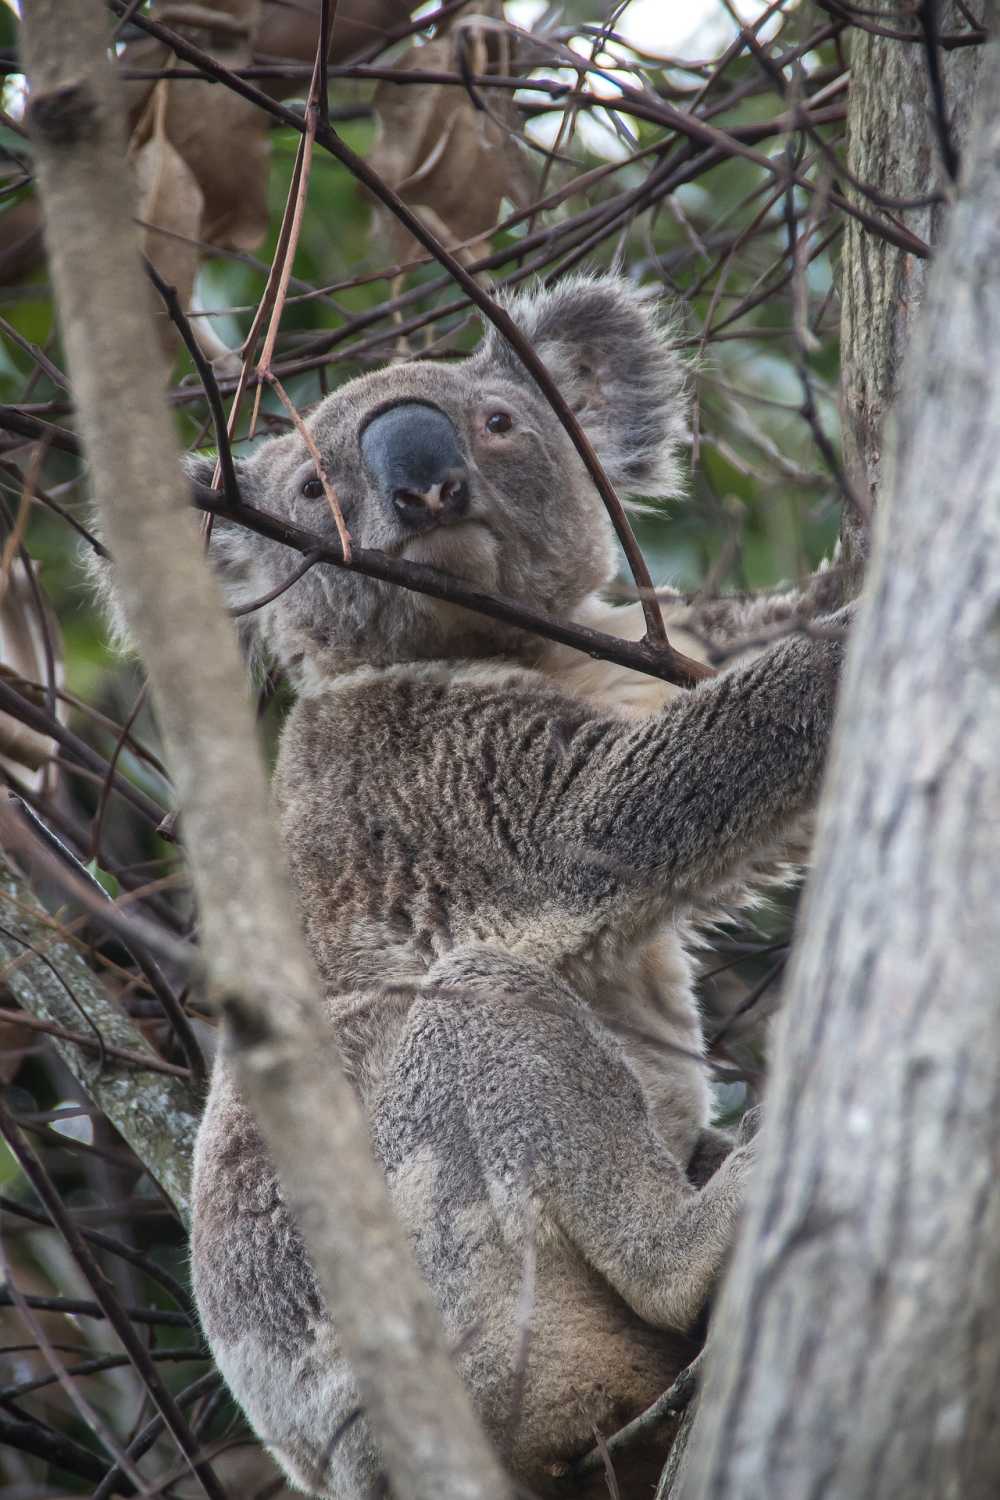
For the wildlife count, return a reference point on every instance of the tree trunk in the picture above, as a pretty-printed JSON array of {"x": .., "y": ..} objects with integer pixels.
[
  {"x": 856, "y": 1350},
  {"x": 891, "y": 145}
]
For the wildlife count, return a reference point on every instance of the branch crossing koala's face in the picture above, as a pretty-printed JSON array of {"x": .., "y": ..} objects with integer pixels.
[{"x": 464, "y": 467}]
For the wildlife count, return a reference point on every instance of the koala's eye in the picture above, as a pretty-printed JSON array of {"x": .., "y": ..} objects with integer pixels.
[
  {"x": 500, "y": 421},
  {"x": 312, "y": 489}
]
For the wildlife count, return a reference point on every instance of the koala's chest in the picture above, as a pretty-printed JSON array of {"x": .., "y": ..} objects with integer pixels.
[
  {"x": 407, "y": 833},
  {"x": 385, "y": 896}
]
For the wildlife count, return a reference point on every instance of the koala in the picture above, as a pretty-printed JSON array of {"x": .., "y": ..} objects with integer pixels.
[{"x": 503, "y": 853}]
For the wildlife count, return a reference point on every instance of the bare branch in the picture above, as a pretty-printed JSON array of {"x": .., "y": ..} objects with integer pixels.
[{"x": 286, "y": 1066}]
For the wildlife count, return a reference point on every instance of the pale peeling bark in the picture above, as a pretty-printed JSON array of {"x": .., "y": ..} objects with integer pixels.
[
  {"x": 418, "y": 1408},
  {"x": 891, "y": 145},
  {"x": 156, "y": 1115},
  {"x": 677, "y": 1457},
  {"x": 856, "y": 1349}
]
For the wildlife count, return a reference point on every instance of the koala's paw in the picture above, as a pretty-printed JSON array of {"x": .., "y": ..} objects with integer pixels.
[{"x": 736, "y": 1174}]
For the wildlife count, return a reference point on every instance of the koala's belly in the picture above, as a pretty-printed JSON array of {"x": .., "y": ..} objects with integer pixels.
[{"x": 558, "y": 1354}]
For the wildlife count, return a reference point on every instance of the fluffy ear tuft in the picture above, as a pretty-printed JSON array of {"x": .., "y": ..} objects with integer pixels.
[
  {"x": 611, "y": 349},
  {"x": 233, "y": 548},
  {"x": 237, "y": 555},
  {"x": 233, "y": 552}
]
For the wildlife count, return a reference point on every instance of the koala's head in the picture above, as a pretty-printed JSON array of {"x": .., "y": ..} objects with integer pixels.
[{"x": 464, "y": 467}]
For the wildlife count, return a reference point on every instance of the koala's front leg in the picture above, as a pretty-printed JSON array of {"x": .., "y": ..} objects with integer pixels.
[
  {"x": 713, "y": 1146},
  {"x": 720, "y": 623},
  {"x": 672, "y": 808},
  {"x": 663, "y": 1243}
]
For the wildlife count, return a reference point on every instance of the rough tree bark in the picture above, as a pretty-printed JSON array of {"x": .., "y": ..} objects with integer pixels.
[
  {"x": 891, "y": 146},
  {"x": 856, "y": 1349},
  {"x": 431, "y": 1442},
  {"x": 156, "y": 1115}
]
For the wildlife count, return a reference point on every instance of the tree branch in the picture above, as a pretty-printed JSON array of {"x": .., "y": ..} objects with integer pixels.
[
  {"x": 645, "y": 656},
  {"x": 285, "y": 1063}
]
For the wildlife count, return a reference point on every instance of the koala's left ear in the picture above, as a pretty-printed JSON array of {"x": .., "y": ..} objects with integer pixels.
[{"x": 611, "y": 352}]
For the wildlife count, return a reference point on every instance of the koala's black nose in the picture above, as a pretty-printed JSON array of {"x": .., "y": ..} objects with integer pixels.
[{"x": 412, "y": 453}]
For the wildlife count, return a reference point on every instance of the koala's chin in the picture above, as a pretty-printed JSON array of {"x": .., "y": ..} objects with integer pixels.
[{"x": 468, "y": 551}]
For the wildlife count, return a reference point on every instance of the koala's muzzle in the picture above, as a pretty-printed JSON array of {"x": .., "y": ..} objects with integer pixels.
[{"x": 411, "y": 452}]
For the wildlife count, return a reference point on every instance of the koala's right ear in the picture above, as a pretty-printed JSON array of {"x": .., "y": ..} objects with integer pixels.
[{"x": 612, "y": 351}]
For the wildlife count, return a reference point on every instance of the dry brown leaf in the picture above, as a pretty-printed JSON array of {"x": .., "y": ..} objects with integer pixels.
[
  {"x": 147, "y": 54},
  {"x": 22, "y": 655},
  {"x": 449, "y": 161},
  {"x": 201, "y": 154},
  {"x": 221, "y": 139},
  {"x": 225, "y": 142},
  {"x": 171, "y": 201},
  {"x": 291, "y": 32}
]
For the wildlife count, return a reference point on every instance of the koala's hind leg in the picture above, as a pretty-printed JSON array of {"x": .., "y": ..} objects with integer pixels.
[
  {"x": 660, "y": 1241},
  {"x": 263, "y": 1315},
  {"x": 582, "y": 1128}
]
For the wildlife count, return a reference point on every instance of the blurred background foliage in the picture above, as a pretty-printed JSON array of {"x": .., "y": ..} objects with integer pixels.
[{"x": 762, "y": 507}]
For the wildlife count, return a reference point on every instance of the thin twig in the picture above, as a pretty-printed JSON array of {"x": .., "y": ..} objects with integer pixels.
[
  {"x": 322, "y": 474},
  {"x": 144, "y": 1439},
  {"x": 146, "y": 1061},
  {"x": 309, "y": 561},
  {"x": 927, "y": 15},
  {"x": 26, "y": 1306},
  {"x": 288, "y": 244},
  {"x": 641, "y": 656},
  {"x": 146, "y": 964},
  {"x": 144, "y": 1263},
  {"x": 81, "y": 1307},
  {"x": 210, "y": 385},
  {"x": 670, "y": 1404}
]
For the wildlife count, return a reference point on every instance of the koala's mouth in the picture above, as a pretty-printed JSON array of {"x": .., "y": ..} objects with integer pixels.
[
  {"x": 467, "y": 549},
  {"x": 452, "y": 537}
]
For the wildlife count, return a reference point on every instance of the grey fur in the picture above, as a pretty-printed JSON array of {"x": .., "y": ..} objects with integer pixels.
[{"x": 500, "y": 853}]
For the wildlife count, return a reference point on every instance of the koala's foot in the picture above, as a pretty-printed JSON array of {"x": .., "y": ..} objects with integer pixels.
[{"x": 710, "y": 1151}]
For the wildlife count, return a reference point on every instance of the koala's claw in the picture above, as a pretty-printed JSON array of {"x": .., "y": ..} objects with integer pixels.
[{"x": 749, "y": 1125}]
